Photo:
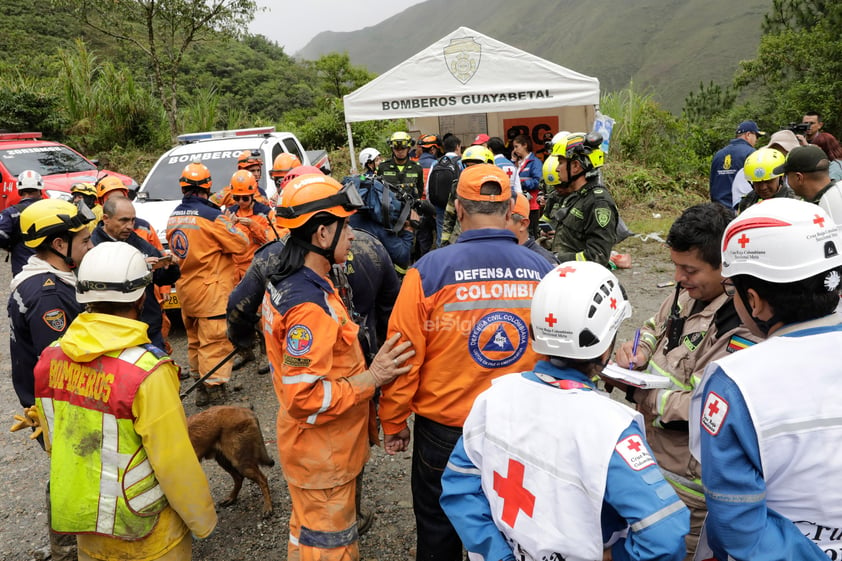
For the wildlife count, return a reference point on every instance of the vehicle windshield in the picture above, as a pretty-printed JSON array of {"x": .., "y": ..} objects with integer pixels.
[
  {"x": 162, "y": 183},
  {"x": 46, "y": 160}
]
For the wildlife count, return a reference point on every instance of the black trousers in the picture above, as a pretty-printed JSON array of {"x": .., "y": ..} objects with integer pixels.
[{"x": 432, "y": 445}]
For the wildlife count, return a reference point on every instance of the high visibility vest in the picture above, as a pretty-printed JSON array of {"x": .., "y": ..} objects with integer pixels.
[{"x": 101, "y": 480}]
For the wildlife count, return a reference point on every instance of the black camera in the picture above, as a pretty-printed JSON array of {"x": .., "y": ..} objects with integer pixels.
[{"x": 798, "y": 128}]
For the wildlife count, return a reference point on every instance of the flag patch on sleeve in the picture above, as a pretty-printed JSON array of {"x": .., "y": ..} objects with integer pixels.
[
  {"x": 738, "y": 343},
  {"x": 714, "y": 413}
]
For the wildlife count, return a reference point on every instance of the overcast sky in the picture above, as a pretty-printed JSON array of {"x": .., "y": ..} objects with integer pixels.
[{"x": 293, "y": 23}]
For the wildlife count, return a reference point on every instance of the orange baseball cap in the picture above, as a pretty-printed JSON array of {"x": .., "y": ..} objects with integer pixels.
[
  {"x": 521, "y": 206},
  {"x": 473, "y": 178}
]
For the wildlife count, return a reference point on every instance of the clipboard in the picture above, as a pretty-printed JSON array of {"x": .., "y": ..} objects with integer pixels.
[{"x": 636, "y": 378}]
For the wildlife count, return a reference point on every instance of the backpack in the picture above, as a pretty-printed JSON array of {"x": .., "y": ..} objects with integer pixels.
[
  {"x": 441, "y": 181},
  {"x": 382, "y": 203}
]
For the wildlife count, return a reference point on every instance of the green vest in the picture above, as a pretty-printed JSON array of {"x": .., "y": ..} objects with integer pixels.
[{"x": 101, "y": 480}]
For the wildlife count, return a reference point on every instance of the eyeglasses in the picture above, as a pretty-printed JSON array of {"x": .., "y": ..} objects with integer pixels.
[
  {"x": 728, "y": 287},
  {"x": 238, "y": 198}
]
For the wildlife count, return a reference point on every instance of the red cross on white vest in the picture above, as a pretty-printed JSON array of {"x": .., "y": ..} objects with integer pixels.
[{"x": 515, "y": 496}]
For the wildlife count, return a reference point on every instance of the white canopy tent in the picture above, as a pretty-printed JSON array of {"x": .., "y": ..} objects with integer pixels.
[{"x": 470, "y": 74}]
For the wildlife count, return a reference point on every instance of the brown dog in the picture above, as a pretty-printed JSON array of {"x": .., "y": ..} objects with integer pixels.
[{"x": 232, "y": 436}]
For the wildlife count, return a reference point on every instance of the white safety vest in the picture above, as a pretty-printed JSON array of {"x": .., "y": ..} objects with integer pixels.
[
  {"x": 546, "y": 486},
  {"x": 792, "y": 388}
]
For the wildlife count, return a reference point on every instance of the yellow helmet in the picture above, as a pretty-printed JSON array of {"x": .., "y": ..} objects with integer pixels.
[
  {"x": 550, "y": 173},
  {"x": 83, "y": 188},
  {"x": 401, "y": 139},
  {"x": 49, "y": 217},
  {"x": 478, "y": 154},
  {"x": 760, "y": 165},
  {"x": 584, "y": 148}
]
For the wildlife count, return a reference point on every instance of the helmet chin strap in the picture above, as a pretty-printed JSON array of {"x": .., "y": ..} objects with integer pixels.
[
  {"x": 328, "y": 253},
  {"x": 764, "y": 325},
  {"x": 66, "y": 258},
  {"x": 570, "y": 178}
]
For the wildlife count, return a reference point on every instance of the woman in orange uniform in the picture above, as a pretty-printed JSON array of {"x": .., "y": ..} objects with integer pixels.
[
  {"x": 253, "y": 218},
  {"x": 319, "y": 372}
]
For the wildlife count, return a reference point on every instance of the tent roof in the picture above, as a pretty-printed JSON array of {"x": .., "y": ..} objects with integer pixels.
[{"x": 468, "y": 72}]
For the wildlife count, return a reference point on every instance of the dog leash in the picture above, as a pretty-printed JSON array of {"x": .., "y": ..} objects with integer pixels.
[{"x": 209, "y": 374}]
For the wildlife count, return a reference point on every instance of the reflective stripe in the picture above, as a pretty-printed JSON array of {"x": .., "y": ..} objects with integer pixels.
[
  {"x": 107, "y": 509},
  {"x": 137, "y": 473},
  {"x": 653, "y": 368},
  {"x": 735, "y": 499},
  {"x": 142, "y": 501},
  {"x": 121, "y": 460},
  {"x": 328, "y": 540},
  {"x": 132, "y": 354},
  {"x": 301, "y": 378},
  {"x": 460, "y": 469},
  {"x": 49, "y": 413},
  {"x": 800, "y": 426},
  {"x": 293, "y": 540},
  {"x": 662, "y": 396},
  {"x": 21, "y": 306},
  {"x": 580, "y": 256},
  {"x": 694, "y": 487},
  {"x": 484, "y": 304},
  {"x": 657, "y": 516},
  {"x": 328, "y": 389}
]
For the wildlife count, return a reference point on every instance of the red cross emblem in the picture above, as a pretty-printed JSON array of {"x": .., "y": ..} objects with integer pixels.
[
  {"x": 515, "y": 497},
  {"x": 819, "y": 220},
  {"x": 634, "y": 445},
  {"x": 551, "y": 320},
  {"x": 613, "y": 303},
  {"x": 509, "y": 172},
  {"x": 743, "y": 241},
  {"x": 564, "y": 270},
  {"x": 714, "y": 407}
]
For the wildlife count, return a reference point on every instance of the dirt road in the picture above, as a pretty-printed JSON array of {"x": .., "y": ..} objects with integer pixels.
[{"x": 241, "y": 533}]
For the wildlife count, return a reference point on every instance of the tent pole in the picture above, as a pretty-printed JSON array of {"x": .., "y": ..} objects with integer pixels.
[{"x": 351, "y": 147}]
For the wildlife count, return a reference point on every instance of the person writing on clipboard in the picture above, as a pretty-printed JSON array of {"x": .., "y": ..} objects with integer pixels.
[{"x": 694, "y": 326}]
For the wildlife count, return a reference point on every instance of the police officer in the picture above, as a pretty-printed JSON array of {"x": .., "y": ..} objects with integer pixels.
[
  {"x": 124, "y": 475},
  {"x": 320, "y": 376},
  {"x": 30, "y": 185},
  {"x": 550, "y": 468},
  {"x": 762, "y": 170},
  {"x": 468, "y": 304},
  {"x": 204, "y": 239},
  {"x": 399, "y": 170},
  {"x": 43, "y": 302},
  {"x": 587, "y": 218},
  {"x": 765, "y": 425}
]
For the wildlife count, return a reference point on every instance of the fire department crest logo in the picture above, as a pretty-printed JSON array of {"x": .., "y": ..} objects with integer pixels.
[
  {"x": 55, "y": 319},
  {"x": 462, "y": 57},
  {"x": 498, "y": 339},
  {"x": 299, "y": 340}
]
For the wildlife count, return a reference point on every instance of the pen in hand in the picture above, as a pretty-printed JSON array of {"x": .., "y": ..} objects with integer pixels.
[{"x": 634, "y": 348}]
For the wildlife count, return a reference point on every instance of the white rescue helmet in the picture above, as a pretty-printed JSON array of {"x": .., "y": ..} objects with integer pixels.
[
  {"x": 368, "y": 155},
  {"x": 781, "y": 241},
  {"x": 112, "y": 272},
  {"x": 29, "y": 179},
  {"x": 577, "y": 309},
  {"x": 559, "y": 136}
]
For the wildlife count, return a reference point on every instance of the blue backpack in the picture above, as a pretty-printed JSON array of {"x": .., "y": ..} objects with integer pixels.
[{"x": 381, "y": 200}]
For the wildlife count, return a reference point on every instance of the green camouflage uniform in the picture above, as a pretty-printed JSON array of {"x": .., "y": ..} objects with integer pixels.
[{"x": 587, "y": 225}]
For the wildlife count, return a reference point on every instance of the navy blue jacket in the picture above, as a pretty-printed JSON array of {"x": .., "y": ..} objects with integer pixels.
[
  {"x": 151, "y": 313},
  {"x": 10, "y": 235},
  {"x": 724, "y": 166}
]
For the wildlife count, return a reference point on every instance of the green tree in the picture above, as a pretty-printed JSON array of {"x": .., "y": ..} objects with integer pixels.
[
  {"x": 709, "y": 101},
  {"x": 163, "y": 30},
  {"x": 338, "y": 76},
  {"x": 797, "y": 67}
]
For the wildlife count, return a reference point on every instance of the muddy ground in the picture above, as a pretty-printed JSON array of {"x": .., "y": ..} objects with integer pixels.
[{"x": 242, "y": 534}]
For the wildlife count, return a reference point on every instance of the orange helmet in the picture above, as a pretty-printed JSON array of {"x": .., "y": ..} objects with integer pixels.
[
  {"x": 429, "y": 140},
  {"x": 108, "y": 183},
  {"x": 249, "y": 158},
  {"x": 243, "y": 182},
  {"x": 196, "y": 175},
  {"x": 310, "y": 194},
  {"x": 298, "y": 171},
  {"x": 283, "y": 164}
]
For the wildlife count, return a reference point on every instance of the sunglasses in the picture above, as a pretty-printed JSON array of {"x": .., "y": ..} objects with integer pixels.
[{"x": 238, "y": 198}]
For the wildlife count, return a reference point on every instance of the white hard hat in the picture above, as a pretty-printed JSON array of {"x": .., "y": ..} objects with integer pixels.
[
  {"x": 112, "y": 272},
  {"x": 781, "y": 241},
  {"x": 576, "y": 311},
  {"x": 29, "y": 179},
  {"x": 367, "y": 155}
]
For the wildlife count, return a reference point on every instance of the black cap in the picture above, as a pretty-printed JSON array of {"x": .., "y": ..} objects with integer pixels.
[{"x": 804, "y": 159}]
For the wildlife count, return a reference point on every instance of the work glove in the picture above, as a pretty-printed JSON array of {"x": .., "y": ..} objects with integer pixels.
[{"x": 29, "y": 419}]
